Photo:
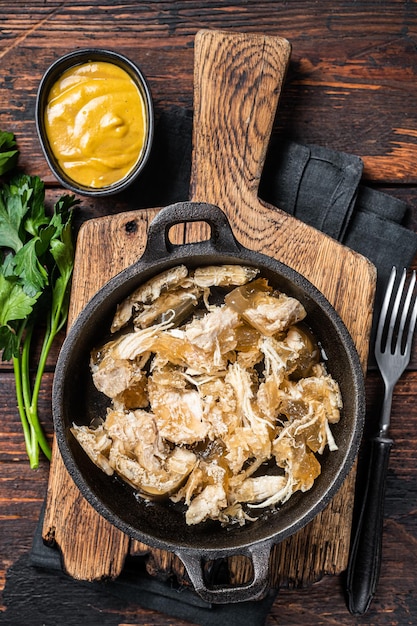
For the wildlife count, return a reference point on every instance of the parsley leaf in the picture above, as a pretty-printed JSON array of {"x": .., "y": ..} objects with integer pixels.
[
  {"x": 8, "y": 152},
  {"x": 15, "y": 305}
]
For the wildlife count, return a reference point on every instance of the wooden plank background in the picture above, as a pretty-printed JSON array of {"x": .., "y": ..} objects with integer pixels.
[{"x": 351, "y": 86}]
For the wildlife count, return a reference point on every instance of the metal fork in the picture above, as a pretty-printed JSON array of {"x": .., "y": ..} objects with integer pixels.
[{"x": 392, "y": 352}]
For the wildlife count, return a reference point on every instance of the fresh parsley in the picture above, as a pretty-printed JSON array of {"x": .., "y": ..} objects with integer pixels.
[
  {"x": 37, "y": 259},
  {"x": 8, "y": 152}
]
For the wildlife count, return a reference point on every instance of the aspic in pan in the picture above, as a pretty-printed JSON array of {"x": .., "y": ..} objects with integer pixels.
[{"x": 220, "y": 399}]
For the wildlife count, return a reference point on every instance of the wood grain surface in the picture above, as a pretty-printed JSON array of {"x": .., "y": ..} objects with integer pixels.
[
  {"x": 348, "y": 62},
  {"x": 238, "y": 80},
  {"x": 351, "y": 85}
]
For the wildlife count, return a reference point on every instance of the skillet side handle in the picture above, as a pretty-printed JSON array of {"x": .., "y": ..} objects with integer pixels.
[
  {"x": 254, "y": 590},
  {"x": 221, "y": 237}
]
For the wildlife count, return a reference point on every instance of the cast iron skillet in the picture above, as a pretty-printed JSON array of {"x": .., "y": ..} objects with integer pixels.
[{"x": 159, "y": 524}]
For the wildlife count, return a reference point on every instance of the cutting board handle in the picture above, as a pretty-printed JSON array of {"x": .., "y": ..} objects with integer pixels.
[{"x": 237, "y": 83}]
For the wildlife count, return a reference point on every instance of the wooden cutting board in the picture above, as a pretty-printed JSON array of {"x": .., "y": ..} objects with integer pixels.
[{"x": 237, "y": 83}]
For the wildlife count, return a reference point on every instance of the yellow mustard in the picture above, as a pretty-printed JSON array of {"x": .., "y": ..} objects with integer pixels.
[{"x": 96, "y": 124}]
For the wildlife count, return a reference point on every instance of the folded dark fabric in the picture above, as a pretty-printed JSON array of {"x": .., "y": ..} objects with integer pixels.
[
  {"x": 316, "y": 185},
  {"x": 319, "y": 186},
  {"x": 323, "y": 188}
]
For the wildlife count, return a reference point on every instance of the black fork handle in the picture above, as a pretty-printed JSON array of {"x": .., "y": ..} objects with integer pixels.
[{"x": 365, "y": 557}]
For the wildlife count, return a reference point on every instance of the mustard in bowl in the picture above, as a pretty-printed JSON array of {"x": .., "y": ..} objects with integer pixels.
[{"x": 94, "y": 118}]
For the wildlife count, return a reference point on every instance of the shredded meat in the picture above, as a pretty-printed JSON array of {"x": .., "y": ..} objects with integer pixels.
[{"x": 218, "y": 396}]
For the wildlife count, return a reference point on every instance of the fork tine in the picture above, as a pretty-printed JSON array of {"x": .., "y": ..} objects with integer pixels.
[
  {"x": 413, "y": 318},
  {"x": 385, "y": 343},
  {"x": 394, "y": 313},
  {"x": 384, "y": 308}
]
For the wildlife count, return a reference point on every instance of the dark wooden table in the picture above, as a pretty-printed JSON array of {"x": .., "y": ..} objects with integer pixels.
[{"x": 351, "y": 86}]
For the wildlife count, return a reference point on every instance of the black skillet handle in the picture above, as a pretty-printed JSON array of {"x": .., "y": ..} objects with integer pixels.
[
  {"x": 365, "y": 558},
  {"x": 221, "y": 238},
  {"x": 256, "y": 589}
]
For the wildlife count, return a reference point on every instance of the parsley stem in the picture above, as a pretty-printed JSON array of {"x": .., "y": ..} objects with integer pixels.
[
  {"x": 21, "y": 393},
  {"x": 31, "y": 397},
  {"x": 25, "y": 375},
  {"x": 27, "y": 429},
  {"x": 48, "y": 339},
  {"x": 27, "y": 401},
  {"x": 55, "y": 322}
]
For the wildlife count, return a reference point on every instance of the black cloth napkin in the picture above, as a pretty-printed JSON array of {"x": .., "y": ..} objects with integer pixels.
[
  {"x": 323, "y": 188},
  {"x": 319, "y": 186}
]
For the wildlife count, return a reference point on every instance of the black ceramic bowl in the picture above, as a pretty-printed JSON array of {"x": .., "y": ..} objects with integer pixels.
[
  {"x": 64, "y": 63},
  {"x": 163, "y": 526}
]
